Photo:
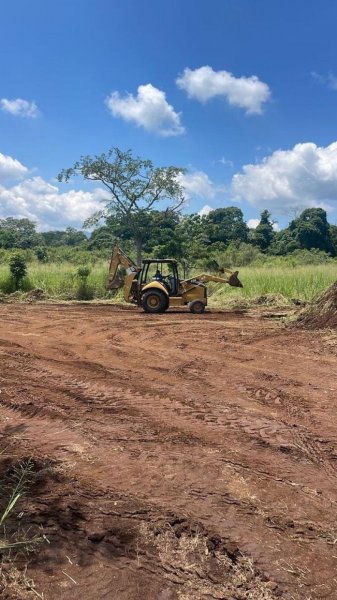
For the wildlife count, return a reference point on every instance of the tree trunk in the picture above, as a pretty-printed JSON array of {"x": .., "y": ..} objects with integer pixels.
[{"x": 139, "y": 248}]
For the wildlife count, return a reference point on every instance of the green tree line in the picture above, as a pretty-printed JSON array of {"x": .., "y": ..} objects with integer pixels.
[{"x": 185, "y": 237}]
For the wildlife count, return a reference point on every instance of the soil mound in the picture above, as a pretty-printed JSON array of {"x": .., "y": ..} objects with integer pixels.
[
  {"x": 323, "y": 313},
  {"x": 36, "y": 294},
  {"x": 270, "y": 300}
]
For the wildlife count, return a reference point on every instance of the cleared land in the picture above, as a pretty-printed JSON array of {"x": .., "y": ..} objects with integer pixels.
[{"x": 176, "y": 456}]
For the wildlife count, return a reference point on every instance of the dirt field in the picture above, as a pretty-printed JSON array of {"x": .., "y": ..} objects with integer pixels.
[{"x": 177, "y": 457}]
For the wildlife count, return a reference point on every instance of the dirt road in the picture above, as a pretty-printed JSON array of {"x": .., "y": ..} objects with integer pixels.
[{"x": 176, "y": 456}]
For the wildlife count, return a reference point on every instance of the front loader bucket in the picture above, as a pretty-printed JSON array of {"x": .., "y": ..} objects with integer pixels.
[{"x": 234, "y": 281}]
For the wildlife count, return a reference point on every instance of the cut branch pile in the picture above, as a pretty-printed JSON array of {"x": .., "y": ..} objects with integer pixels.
[{"x": 322, "y": 313}]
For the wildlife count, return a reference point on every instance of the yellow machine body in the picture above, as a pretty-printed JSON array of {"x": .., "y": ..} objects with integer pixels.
[{"x": 157, "y": 292}]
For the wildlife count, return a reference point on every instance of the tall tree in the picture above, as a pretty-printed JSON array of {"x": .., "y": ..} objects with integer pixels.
[
  {"x": 311, "y": 230},
  {"x": 193, "y": 237},
  {"x": 163, "y": 240},
  {"x": 226, "y": 225},
  {"x": 74, "y": 237},
  {"x": 264, "y": 233},
  {"x": 18, "y": 233},
  {"x": 135, "y": 187},
  {"x": 102, "y": 237}
]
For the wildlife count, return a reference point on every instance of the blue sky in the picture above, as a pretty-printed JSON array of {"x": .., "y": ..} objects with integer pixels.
[{"x": 242, "y": 93}]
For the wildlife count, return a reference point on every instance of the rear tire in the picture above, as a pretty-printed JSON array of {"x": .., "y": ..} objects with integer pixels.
[
  {"x": 154, "y": 301},
  {"x": 197, "y": 307}
]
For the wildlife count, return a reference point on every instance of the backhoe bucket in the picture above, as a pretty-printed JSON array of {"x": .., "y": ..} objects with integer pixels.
[
  {"x": 234, "y": 280},
  {"x": 116, "y": 283}
]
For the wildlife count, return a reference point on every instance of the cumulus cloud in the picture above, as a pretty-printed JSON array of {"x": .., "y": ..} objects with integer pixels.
[
  {"x": 288, "y": 180},
  {"x": 149, "y": 109},
  {"x": 10, "y": 168},
  {"x": 204, "y": 83},
  {"x": 42, "y": 202},
  {"x": 197, "y": 184},
  {"x": 253, "y": 223},
  {"x": 19, "y": 107},
  {"x": 205, "y": 210}
]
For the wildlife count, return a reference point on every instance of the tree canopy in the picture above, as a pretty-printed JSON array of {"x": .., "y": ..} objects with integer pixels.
[
  {"x": 226, "y": 225},
  {"x": 310, "y": 230},
  {"x": 263, "y": 235},
  {"x": 221, "y": 237},
  {"x": 18, "y": 233},
  {"x": 134, "y": 188}
]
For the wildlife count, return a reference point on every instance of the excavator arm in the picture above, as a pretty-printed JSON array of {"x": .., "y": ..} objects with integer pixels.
[{"x": 115, "y": 280}]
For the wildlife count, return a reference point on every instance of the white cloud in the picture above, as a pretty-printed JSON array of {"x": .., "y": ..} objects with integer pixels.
[
  {"x": 253, "y": 223},
  {"x": 149, "y": 109},
  {"x": 197, "y": 184},
  {"x": 42, "y": 202},
  {"x": 329, "y": 80},
  {"x": 205, "y": 210},
  {"x": 10, "y": 168},
  {"x": 289, "y": 180},
  {"x": 224, "y": 161},
  {"x": 204, "y": 83},
  {"x": 19, "y": 107}
]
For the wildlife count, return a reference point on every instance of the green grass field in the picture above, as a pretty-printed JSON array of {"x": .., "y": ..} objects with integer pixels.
[
  {"x": 60, "y": 281},
  {"x": 301, "y": 282}
]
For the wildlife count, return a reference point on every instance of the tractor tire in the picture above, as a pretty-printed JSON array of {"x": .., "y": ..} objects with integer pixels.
[
  {"x": 197, "y": 307},
  {"x": 154, "y": 301}
]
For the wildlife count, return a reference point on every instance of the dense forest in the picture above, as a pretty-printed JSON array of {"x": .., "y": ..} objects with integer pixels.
[{"x": 188, "y": 238}]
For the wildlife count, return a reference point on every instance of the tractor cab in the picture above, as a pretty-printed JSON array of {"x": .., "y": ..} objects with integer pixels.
[{"x": 163, "y": 271}]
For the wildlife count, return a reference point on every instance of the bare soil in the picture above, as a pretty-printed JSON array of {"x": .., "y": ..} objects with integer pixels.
[{"x": 177, "y": 456}]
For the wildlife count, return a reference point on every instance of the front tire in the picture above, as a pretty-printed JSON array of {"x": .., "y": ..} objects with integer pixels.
[
  {"x": 197, "y": 307},
  {"x": 154, "y": 301}
]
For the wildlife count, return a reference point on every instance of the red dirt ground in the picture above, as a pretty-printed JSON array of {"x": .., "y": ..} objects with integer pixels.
[{"x": 176, "y": 456}]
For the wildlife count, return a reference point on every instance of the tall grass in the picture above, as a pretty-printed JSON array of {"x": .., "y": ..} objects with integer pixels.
[
  {"x": 300, "y": 282},
  {"x": 60, "y": 281}
]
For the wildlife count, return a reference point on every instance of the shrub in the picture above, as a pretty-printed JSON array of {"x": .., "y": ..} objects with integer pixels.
[
  {"x": 84, "y": 291},
  {"x": 18, "y": 268},
  {"x": 41, "y": 254},
  {"x": 83, "y": 273}
]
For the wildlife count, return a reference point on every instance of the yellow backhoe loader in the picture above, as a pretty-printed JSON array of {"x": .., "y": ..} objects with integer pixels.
[{"x": 156, "y": 285}]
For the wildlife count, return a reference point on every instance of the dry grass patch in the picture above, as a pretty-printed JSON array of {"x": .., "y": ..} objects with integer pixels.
[{"x": 203, "y": 568}]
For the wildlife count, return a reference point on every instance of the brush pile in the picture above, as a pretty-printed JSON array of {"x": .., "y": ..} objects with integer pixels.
[{"x": 322, "y": 313}]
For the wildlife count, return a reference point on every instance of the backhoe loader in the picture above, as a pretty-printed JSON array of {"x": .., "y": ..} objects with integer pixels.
[{"x": 155, "y": 286}]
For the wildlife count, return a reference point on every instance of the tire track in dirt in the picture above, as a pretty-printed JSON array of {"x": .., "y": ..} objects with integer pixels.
[
  {"x": 269, "y": 429},
  {"x": 283, "y": 436},
  {"x": 191, "y": 431}
]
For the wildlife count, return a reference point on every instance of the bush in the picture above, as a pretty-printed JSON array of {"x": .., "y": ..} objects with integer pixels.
[
  {"x": 18, "y": 268},
  {"x": 235, "y": 255},
  {"x": 83, "y": 273},
  {"x": 84, "y": 291},
  {"x": 41, "y": 254}
]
